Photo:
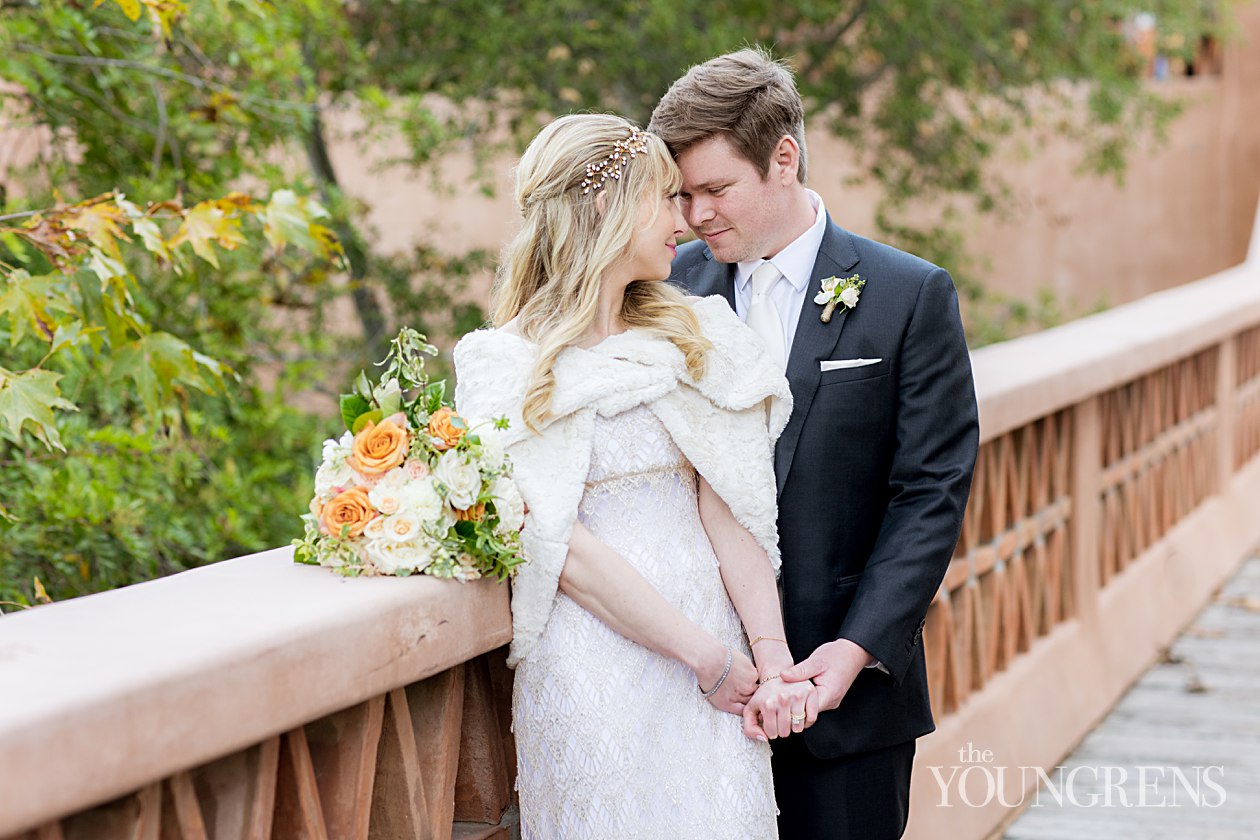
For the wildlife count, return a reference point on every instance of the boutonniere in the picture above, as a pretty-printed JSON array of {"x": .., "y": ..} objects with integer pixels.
[{"x": 839, "y": 290}]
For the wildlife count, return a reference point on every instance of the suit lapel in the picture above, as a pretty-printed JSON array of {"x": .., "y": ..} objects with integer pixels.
[
  {"x": 814, "y": 341},
  {"x": 711, "y": 277}
]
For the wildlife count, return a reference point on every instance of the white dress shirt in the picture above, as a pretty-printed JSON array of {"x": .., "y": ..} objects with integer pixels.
[{"x": 796, "y": 263}]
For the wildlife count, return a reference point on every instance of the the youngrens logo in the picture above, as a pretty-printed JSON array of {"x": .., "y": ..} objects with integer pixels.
[{"x": 977, "y": 782}]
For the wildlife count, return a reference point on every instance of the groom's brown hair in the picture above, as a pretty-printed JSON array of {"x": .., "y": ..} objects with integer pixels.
[{"x": 746, "y": 96}]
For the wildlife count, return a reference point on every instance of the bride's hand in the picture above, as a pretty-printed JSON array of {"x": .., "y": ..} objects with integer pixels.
[
  {"x": 737, "y": 688},
  {"x": 780, "y": 708}
]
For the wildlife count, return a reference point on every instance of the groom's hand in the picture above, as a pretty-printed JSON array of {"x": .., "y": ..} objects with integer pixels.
[{"x": 833, "y": 667}]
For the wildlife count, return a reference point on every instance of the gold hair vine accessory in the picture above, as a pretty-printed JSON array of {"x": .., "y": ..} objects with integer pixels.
[{"x": 611, "y": 166}]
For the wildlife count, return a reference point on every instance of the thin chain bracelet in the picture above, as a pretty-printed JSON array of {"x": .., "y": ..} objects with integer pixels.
[
  {"x": 730, "y": 657},
  {"x": 766, "y": 639}
]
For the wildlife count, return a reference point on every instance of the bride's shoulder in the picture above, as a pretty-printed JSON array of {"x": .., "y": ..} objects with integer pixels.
[
  {"x": 720, "y": 324},
  {"x": 504, "y": 339},
  {"x": 492, "y": 348}
]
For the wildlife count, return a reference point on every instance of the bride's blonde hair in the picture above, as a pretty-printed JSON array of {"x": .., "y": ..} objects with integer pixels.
[{"x": 549, "y": 279}]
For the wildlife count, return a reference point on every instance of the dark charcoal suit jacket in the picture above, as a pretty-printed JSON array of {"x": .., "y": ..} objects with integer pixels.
[{"x": 873, "y": 471}]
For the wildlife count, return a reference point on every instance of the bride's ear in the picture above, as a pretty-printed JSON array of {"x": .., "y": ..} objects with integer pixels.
[{"x": 601, "y": 202}]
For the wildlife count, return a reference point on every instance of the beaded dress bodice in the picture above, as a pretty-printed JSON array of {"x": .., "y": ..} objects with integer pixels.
[{"x": 614, "y": 740}]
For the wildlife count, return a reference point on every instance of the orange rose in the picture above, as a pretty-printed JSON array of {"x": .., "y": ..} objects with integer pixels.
[
  {"x": 378, "y": 449},
  {"x": 442, "y": 426},
  {"x": 350, "y": 508},
  {"x": 476, "y": 513}
]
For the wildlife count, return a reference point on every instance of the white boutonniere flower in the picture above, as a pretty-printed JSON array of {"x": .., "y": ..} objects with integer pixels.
[{"x": 837, "y": 290}]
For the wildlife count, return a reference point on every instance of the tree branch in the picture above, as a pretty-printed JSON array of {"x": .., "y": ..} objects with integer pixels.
[
  {"x": 11, "y": 216},
  {"x": 165, "y": 72},
  {"x": 160, "y": 140}
]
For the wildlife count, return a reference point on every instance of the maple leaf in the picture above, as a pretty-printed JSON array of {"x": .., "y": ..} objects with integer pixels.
[
  {"x": 237, "y": 201},
  {"x": 26, "y": 300},
  {"x": 99, "y": 220},
  {"x": 158, "y": 361},
  {"x": 50, "y": 236},
  {"x": 130, "y": 8},
  {"x": 145, "y": 228},
  {"x": 209, "y": 223},
  {"x": 290, "y": 218},
  {"x": 164, "y": 13},
  {"x": 27, "y": 400},
  {"x": 106, "y": 267}
]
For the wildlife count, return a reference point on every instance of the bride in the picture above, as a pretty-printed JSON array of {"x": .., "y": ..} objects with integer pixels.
[{"x": 641, "y": 429}]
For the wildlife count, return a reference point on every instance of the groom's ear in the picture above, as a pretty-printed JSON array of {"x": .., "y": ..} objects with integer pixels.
[{"x": 785, "y": 160}]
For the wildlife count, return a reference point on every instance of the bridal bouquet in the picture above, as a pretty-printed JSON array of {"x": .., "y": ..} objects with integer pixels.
[{"x": 410, "y": 487}]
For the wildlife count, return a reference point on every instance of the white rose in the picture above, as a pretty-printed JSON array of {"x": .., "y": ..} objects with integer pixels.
[
  {"x": 387, "y": 495},
  {"x": 334, "y": 474},
  {"x": 389, "y": 556},
  {"x": 508, "y": 504},
  {"x": 401, "y": 527},
  {"x": 462, "y": 479},
  {"x": 375, "y": 529},
  {"x": 492, "y": 451},
  {"x": 849, "y": 297}
]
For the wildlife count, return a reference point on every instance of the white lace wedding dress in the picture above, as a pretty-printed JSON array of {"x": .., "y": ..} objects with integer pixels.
[{"x": 613, "y": 740}]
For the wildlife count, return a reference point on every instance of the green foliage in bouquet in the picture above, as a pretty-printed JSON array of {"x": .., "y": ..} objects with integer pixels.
[{"x": 411, "y": 487}]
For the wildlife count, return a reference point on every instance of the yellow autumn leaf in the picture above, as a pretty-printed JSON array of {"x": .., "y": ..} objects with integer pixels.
[
  {"x": 151, "y": 235},
  {"x": 41, "y": 594},
  {"x": 237, "y": 202},
  {"x": 145, "y": 228},
  {"x": 290, "y": 218},
  {"x": 164, "y": 13},
  {"x": 207, "y": 224},
  {"x": 105, "y": 267},
  {"x": 99, "y": 221},
  {"x": 130, "y": 8}
]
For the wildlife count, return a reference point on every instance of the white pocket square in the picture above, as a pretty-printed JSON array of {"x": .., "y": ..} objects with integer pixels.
[{"x": 841, "y": 364}]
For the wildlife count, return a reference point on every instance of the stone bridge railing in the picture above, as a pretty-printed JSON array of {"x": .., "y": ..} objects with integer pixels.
[{"x": 1117, "y": 487}]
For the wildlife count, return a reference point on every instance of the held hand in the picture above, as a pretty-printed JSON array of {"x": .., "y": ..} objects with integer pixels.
[
  {"x": 832, "y": 667},
  {"x": 737, "y": 688},
  {"x": 780, "y": 708}
]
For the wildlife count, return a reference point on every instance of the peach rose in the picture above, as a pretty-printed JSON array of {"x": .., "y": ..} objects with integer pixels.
[
  {"x": 349, "y": 508},
  {"x": 379, "y": 448},
  {"x": 476, "y": 513},
  {"x": 442, "y": 427}
]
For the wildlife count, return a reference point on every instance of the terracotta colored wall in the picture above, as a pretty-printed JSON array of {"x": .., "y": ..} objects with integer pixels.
[{"x": 1184, "y": 211}]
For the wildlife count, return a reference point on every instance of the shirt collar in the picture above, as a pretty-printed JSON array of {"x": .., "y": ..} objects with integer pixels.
[{"x": 796, "y": 261}]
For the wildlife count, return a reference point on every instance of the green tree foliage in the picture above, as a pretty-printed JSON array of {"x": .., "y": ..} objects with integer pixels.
[{"x": 165, "y": 107}]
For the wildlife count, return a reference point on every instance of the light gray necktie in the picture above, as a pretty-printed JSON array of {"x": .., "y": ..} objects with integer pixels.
[{"x": 763, "y": 315}]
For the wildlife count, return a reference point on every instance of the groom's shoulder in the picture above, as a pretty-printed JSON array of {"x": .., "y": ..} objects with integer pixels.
[
  {"x": 890, "y": 261},
  {"x": 690, "y": 254}
]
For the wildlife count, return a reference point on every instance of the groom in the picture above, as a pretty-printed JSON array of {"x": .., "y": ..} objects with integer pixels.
[{"x": 875, "y": 464}]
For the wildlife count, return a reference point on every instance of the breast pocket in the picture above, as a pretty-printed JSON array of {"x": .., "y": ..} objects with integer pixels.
[{"x": 856, "y": 374}]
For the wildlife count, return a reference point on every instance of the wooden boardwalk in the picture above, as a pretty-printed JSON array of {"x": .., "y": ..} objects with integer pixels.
[{"x": 1199, "y": 708}]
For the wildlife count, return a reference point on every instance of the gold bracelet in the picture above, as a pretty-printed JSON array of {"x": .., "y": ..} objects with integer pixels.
[
  {"x": 766, "y": 639},
  {"x": 767, "y": 679}
]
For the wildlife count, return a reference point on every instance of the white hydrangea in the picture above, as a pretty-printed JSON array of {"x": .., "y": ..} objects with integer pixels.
[
  {"x": 492, "y": 452},
  {"x": 509, "y": 505},
  {"x": 420, "y": 499},
  {"x": 461, "y": 477},
  {"x": 335, "y": 449},
  {"x": 333, "y": 476}
]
